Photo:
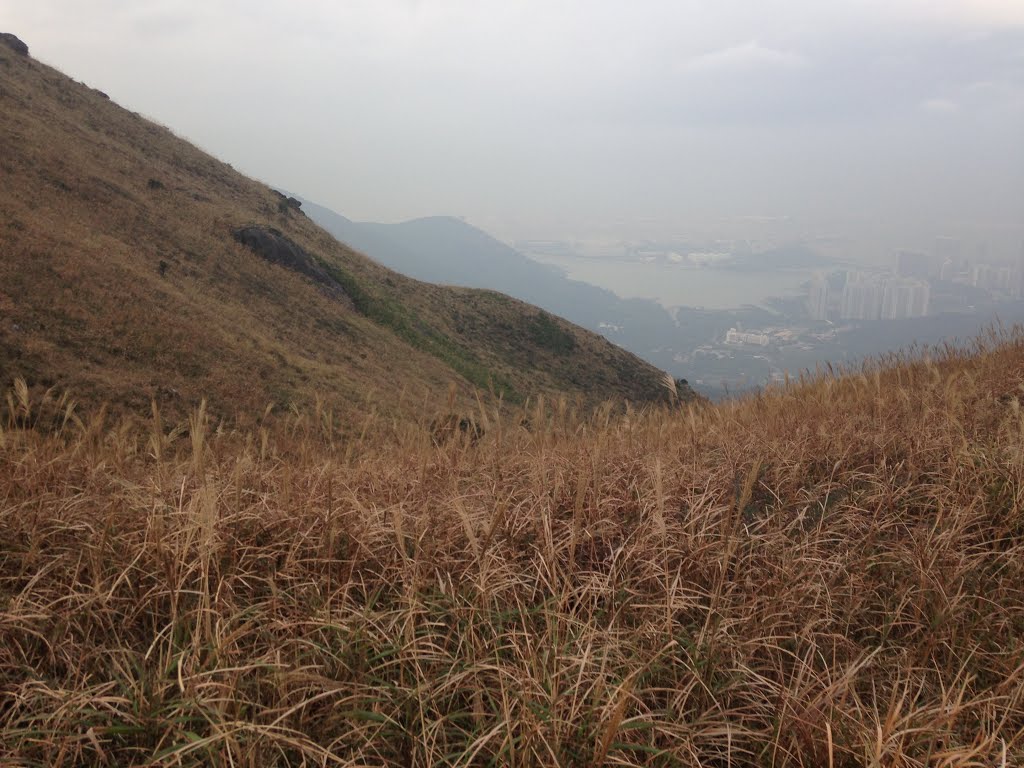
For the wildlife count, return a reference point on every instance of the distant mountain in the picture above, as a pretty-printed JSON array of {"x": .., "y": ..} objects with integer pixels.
[
  {"x": 135, "y": 267},
  {"x": 442, "y": 249}
]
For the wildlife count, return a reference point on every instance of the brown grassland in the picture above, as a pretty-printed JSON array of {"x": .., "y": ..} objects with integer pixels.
[
  {"x": 828, "y": 574},
  {"x": 121, "y": 280}
]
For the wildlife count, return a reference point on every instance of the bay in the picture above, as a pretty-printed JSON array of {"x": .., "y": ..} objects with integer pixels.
[{"x": 681, "y": 285}]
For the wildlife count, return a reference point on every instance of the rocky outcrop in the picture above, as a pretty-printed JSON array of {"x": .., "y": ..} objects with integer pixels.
[
  {"x": 276, "y": 248},
  {"x": 286, "y": 204},
  {"x": 12, "y": 42}
]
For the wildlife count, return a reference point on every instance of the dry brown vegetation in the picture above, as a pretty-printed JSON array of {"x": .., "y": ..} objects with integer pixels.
[
  {"x": 830, "y": 574},
  {"x": 121, "y": 280}
]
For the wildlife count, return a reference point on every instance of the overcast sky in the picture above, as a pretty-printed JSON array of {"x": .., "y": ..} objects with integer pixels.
[{"x": 902, "y": 118}]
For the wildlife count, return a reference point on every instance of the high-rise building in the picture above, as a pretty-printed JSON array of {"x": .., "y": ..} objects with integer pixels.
[
  {"x": 919, "y": 300},
  {"x": 817, "y": 300},
  {"x": 870, "y": 297},
  {"x": 902, "y": 298},
  {"x": 1002, "y": 280},
  {"x": 862, "y": 297}
]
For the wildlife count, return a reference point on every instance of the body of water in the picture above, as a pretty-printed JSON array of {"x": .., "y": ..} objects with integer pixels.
[{"x": 677, "y": 285}]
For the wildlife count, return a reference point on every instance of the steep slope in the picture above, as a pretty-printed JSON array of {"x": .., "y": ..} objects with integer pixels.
[
  {"x": 442, "y": 249},
  {"x": 134, "y": 266}
]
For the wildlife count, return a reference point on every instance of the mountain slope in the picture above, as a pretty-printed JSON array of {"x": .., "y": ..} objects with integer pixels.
[
  {"x": 125, "y": 275},
  {"x": 443, "y": 249}
]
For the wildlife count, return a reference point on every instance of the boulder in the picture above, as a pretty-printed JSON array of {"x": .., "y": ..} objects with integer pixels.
[
  {"x": 12, "y": 42},
  {"x": 286, "y": 204},
  {"x": 277, "y": 248}
]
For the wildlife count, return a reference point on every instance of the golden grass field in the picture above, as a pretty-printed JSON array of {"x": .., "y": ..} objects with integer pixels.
[{"x": 828, "y": 574}]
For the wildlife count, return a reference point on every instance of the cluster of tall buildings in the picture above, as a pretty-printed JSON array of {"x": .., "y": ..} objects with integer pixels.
[
  {"x": 903, "y": 298},
  {"x": 907, "y": 292},
  {"x": 867, "y": 296},
  {"x": 1000, "y": 280},
  {"x": 875, "y": 297},
  {"x": 870, "y": 296}
]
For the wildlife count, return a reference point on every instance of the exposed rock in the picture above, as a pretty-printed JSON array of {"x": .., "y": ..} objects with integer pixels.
[
  {"x": 687, "y": 395},
  {"x": 287, "y": 204},
  {"x": 276, "y": 248},
  {"x": 12, "y": 42}
]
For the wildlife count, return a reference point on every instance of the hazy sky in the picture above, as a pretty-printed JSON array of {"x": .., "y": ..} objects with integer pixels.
[{"x": 903, "y": 117}]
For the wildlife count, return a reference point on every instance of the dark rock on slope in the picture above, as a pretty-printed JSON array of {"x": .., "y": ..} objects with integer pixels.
[
  {"x": 12, "y": 42},
  {"x": 276, "y": 248}
]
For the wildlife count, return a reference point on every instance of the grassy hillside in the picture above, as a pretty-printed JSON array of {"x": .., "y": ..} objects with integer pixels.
[
  {"x": 826, "y": 575},
  {"x": 449, "y": 251},
  {"x": 121, "y": 278}
]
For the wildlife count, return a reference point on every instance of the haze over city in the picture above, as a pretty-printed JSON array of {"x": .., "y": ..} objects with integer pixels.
[{"x": 888, "y": 122}]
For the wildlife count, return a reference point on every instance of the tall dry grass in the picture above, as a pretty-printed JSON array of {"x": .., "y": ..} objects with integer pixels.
[{"x": 830, "y": 574}]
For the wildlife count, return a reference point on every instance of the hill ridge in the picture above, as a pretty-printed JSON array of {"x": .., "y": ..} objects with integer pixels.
[
  {"x": 123, "y": 281},
  {"x": 449, "y": 250}
]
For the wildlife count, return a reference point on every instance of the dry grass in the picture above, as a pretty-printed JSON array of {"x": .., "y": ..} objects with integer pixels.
[
  {"x": 827, "y": 575},
  {"x": 120, "y": 279}
]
